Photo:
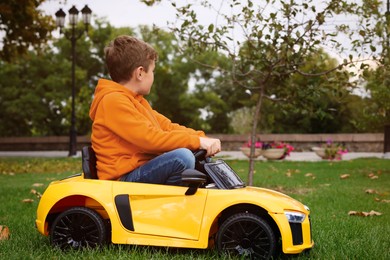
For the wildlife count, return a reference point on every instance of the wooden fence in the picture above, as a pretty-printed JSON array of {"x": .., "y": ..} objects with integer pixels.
[{"x": 367, "y": 142}]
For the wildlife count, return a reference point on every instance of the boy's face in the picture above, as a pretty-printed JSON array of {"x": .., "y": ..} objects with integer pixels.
[{"x": 147, "y": 79}]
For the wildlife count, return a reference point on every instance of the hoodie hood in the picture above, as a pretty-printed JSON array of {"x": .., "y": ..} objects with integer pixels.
[{"x": 104, "y": 87}]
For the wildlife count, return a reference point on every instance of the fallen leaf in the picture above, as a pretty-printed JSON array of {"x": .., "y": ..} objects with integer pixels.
[
  {"x": 309, "y": 175},
  {"x": 380, "y": 200},
  {"x": 4, "y": 232},
  {"x": 27, "y": 200},
  {"x": 374, "y": 177},
  {"x": 37, "y": 184},
  {"x": 36, "y": 193},
  {"x": 352, "y": 213},
  {"x": 374, "y": 213},
  {"x": 363, "y": 213},
  {"x": 371, "y": 191},
  {"x": 344, "y": 176}
]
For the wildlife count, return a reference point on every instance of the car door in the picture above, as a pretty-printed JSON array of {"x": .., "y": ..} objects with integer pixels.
[{"x": 163, "y": 210}]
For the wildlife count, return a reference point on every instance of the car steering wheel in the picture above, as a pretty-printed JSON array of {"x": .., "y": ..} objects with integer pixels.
[{"x": 200, "y": 155}]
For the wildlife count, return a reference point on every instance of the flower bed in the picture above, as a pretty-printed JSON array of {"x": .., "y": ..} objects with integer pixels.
[
  {"x": 330, "y": 150},
  {"x": 271, "y": 151}
]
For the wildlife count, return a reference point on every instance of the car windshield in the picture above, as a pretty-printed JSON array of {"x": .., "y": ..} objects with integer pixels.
[{"x": 223, "y": 176}]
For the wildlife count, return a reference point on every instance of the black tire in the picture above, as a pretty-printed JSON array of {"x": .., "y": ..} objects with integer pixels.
[
  {"x": 246, "y": 235},
  {"x": 78, "y": 228}
]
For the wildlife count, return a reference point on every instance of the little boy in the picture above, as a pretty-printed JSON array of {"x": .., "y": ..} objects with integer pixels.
[{"x": 132, "y": 141}]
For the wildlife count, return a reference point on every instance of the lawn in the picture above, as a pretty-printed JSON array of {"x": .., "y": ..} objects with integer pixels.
[{"x": 330, "y": 189}]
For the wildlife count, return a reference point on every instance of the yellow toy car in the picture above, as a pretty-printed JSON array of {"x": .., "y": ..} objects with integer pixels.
[{"x": 213, "y": 210}]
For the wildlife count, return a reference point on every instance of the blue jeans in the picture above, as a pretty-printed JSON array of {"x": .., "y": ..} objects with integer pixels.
[{"x": 163, "y": 169}]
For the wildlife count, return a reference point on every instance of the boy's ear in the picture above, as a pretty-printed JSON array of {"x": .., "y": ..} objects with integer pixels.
[{"x": 138, "y": 73}]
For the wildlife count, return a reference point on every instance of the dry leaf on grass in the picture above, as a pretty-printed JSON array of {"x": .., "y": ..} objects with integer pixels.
[
  {"x": 4, "y": 232},
  {"x": 37, "y": 185},
  {"x": 27, "y": 200},
  {"x": 310, "y": 175},
  {"x": 371, "y": 191},
  {"x": 382, "y": 200},
  {"x": 364, "y": 214},
  {"x": 344, "y": 176},
  {"x": 36, "y": 193},
  {"x": 372, "y": 176}
]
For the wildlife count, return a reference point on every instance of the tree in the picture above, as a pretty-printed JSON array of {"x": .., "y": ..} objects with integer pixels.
[
  {"x": 32, "y": 95},
  {"x": 319, "y": 103},
  {"x": 276, "y": 38},
  {"x": 35, "y": 88},
  {"x": 24, "y": 26},
  {"x": 377, "y": 109}
]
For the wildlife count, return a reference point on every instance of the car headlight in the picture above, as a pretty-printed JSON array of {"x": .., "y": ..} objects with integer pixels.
[{"x": 294, "y": 217}]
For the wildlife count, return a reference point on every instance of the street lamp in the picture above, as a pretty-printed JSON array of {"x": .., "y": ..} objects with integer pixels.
[{"x": 73, "y": 35}]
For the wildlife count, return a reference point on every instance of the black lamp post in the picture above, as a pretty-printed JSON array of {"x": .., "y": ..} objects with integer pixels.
[{"x": 73, "y": 35}]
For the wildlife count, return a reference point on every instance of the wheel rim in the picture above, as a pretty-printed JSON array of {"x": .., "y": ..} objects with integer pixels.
[
  {"x": 246, "y": 238},
  {"x": 76, "y": 230}
]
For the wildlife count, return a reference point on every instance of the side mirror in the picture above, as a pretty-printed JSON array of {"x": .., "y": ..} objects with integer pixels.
[{"x": 193, "y": 179}]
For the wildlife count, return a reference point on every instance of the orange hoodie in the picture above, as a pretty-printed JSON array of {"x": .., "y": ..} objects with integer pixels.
[{"x": 127, "y": 132}]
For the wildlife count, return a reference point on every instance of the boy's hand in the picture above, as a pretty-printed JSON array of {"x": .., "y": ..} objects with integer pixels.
[{"x": 211, "y": 145}]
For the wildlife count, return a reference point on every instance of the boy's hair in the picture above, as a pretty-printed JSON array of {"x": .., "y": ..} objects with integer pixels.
[{"x": 124, "y": 54}]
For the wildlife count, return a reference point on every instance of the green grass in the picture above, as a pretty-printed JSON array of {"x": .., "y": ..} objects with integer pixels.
[{"x": 317, "y": 184}]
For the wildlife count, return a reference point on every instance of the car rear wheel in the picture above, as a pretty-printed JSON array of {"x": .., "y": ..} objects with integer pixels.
[
  {"x": 247, "y": 235},
  {"x": 78, "y": 228}
]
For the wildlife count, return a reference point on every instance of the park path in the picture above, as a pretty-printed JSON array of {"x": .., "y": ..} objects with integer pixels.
[{"x": 226, "y": 155}]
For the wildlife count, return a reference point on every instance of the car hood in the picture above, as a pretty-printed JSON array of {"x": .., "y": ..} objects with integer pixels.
[{"x": 272, "y": 201}]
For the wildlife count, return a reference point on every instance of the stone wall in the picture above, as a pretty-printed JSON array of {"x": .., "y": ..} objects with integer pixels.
[
  {"x": 370, "y": 142},
  {"x": 367, "y": 142}
]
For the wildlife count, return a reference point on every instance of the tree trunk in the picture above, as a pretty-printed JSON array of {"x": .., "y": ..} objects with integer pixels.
[{"x": 256, "y": 118}]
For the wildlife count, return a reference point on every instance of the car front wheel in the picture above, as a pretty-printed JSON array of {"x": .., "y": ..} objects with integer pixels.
[
  {"x": 246, "y": 235},
  {"x": 78, "y": 228}
]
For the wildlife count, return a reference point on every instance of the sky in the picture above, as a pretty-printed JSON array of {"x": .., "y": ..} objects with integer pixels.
[
  {"x": 119, "y": 13},
  {"x": 122, "y": 13},
  {"x": 132, "y": 13}
]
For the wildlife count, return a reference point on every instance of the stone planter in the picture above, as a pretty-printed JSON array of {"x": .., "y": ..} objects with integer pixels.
[
  {"x": 274, "y": 153},
  {"x": 321, "y": 153},
  {"x": 247, "y": 152}
]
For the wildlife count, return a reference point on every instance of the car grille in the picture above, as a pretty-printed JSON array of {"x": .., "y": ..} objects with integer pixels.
[{"x": 296, "y": 231}]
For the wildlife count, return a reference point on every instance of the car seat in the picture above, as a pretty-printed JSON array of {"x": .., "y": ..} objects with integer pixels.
[{"x": 89, "y": 162}]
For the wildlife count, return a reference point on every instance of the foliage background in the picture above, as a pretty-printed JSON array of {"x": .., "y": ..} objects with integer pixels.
[{"x": 35, "y": 82}]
